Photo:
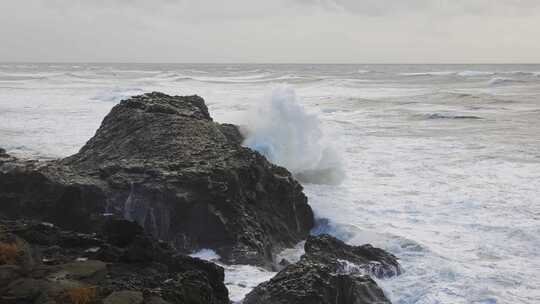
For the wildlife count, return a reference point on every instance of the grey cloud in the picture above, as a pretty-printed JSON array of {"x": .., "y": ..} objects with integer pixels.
[
  {"x": 434, "y": 7},
  {"x": 270, "y": 31}
]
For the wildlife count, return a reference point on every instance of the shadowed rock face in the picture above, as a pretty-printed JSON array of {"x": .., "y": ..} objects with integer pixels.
[
  {"x": 162, "y": 162},
  {"x": 50, "y": 265},
  {"x": 330, "y": 272}
]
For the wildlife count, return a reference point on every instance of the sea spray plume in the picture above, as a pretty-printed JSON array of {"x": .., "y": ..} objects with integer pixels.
[{"x": 280, "y": 129}]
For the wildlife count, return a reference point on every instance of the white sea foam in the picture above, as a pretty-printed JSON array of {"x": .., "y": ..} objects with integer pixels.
[
  {"x": 470, "y": 73},
  {"x": 497, "y": 81},
  {"x": 206, "y": 254},
  {"x": 255, "y": 78},
  {"x": 239, "y": 279},
  {"x": 117, "y": 94},
  {"x": 520, "y": 73},
  {"x": 361, "y": 71},
  {"x": 475, "y": 73},
  {"x": 291, "y": 255},
  {"x": 281, "y": 129},
  {"x": 436, "y": 73}
]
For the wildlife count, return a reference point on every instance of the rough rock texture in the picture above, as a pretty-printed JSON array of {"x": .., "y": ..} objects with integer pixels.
[
  {"x": 328, "y": 250},
  {"x": 40, "y": 263},
  {"x": 330, "y": 272},
  {"x": 162, "y": 162}
]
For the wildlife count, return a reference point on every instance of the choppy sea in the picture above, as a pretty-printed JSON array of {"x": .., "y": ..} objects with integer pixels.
[{"x": 438, "y": 164}]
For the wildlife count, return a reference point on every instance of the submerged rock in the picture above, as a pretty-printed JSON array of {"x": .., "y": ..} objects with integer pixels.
[
  {"x": 330, "y": 272},
  {"x": 162, "y": 162}
]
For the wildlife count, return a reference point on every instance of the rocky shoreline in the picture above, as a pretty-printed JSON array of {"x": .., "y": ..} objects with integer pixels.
[{"x": 159, "y": 180}]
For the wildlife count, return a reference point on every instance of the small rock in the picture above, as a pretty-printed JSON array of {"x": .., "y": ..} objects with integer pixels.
[
  {"x": 84, "y": 269},
  {"x": 155, "y": 300},
  {"x": 9, "y": 273},
  {"x": 124, "y": 297},
  {"x": 27, "y": 288}
]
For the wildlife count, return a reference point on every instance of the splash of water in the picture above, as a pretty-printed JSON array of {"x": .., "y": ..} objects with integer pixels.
[{"x": 281, "y": 129}]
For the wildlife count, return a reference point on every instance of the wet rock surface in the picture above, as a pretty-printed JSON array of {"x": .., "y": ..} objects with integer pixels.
[
  {"x": 48, "y": 265},
  {"x": 330, "y": 272},
  {"x": 162, "y": 162},
  {"x": 328, "y": 250}
]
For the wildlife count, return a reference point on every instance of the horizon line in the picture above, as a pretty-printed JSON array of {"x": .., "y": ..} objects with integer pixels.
[{"x": 268, "y": 63}]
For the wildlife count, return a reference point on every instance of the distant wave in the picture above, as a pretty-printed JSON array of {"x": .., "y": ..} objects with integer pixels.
[
  {"x": 280, "y": 129},
  {"x": 261, "y": 78},
  {"x": 497, "y": 81},
  {"x": 81, "y": 75},
  {"x": 25, "y": 76},
  {"x": 521, "y": 73},
  {"x": 475, "y": 73},
  {"x": 6, "y": 78},
  {"x": 470, "y": 73},
  {"x": 449, "y": 116},
  {"x": 439, "y": 73},
  {"x": 462, "y": 95},
  {"x": 63, "y": 76}
]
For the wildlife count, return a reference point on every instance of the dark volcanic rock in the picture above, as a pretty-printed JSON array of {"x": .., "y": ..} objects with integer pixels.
[
  {"x": 50, "y": 265},
  {"x": 330, "y": 272},
  {"x": 328, "y": 250},
  {"x": 162, "y": 162}
]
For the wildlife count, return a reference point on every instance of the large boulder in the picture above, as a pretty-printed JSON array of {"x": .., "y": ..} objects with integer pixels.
[
  {"x": 162, "y": 162},
  {"x": 330, "y": 272}
]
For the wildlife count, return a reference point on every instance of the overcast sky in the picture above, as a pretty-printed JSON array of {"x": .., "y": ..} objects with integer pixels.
[{"x": 330, "y": 31}]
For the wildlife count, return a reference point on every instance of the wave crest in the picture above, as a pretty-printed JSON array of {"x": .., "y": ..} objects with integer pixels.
[
  {"x": 280, "y": 129},
  {"x": 497, "y": 81}
]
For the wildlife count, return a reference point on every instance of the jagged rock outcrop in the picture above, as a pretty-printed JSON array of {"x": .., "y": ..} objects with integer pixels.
[
  {"x": 162, "y": 162},
  {"x": 328, "y": 250},
  {"x": 40, "y": 263},
  {"x": 330, "y": 272}
]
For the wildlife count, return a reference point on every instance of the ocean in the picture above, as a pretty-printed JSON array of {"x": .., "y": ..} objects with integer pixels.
[{"x": 438, "y": 164}]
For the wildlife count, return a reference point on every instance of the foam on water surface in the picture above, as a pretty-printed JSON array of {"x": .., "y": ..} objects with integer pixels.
[{"x": 239, "y": 279}]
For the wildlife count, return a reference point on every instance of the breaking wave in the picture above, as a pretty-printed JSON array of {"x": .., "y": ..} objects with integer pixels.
[
  {"x": 497, "y": 81},
  {"x": 280, "y": 129},
  {"x": 475, "y": 73},
  {"x": 470, "y": 73},
  {"x": 258, "y": 78},
  {"x": 117, "y": 94},
  {"x": 439, "y": 73}
]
